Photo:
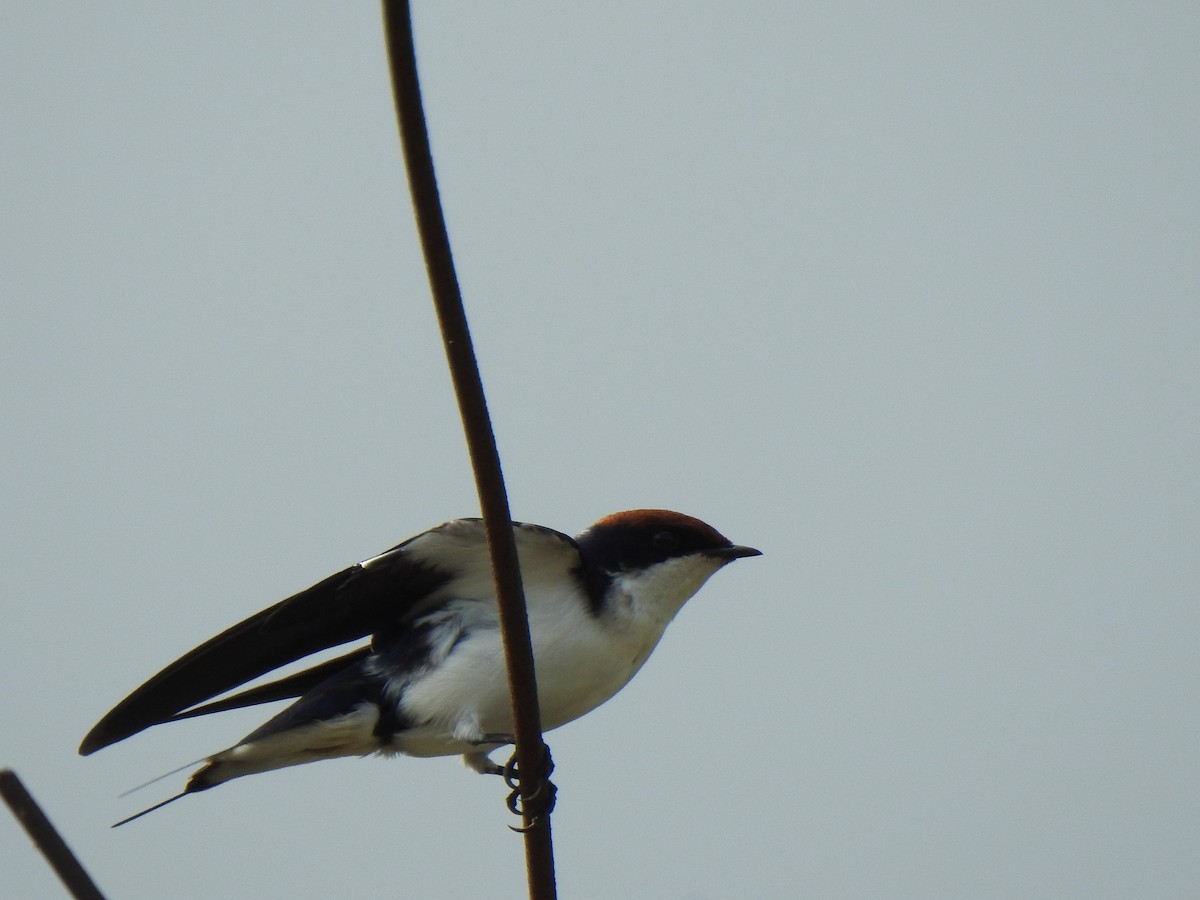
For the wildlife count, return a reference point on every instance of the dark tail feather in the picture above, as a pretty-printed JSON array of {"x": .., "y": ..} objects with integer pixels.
[
  {"x": 183, "y": 793},
  {"x": 157, "y": 778}
]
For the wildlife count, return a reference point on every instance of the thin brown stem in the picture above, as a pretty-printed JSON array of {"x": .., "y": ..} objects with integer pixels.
[{"x": 532, "y": 754}]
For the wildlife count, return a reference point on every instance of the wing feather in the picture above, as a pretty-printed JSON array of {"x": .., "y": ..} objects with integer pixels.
[
  {"x": 380, "y": 597},
  {"x": 344, "y": 607}
]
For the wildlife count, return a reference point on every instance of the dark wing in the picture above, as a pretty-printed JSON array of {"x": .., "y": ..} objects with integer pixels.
[
  {"x": 283, "y": 689},
  {"x": 352, "y": 604}
]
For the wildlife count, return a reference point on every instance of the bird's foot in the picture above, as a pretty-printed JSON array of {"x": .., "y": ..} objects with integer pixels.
[
  {"x": 480, "y": 762},
  {"x": 531, "y": 797}
]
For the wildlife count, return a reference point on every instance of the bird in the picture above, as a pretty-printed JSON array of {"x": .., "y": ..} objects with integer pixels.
[{"x": 431, "y": 678}]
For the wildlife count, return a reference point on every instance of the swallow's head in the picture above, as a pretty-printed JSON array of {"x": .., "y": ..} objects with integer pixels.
[{"x": 654, "y": 558}]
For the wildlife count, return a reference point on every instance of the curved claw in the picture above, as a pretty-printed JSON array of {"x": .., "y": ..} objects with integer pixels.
[
  {"x": 543, "y": 798},
  {"x": 511, "y": 770},
  {"x": 512, "y": 777},
  {"x": 537, "y": 803},
  {"x": 524, "y": 829}
]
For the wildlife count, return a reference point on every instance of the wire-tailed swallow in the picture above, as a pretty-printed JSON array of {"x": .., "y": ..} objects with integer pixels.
[{"x": 432, "y": 680}]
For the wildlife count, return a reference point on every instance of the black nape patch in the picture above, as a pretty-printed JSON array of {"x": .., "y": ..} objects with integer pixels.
[{"x": 595, "y": 582}]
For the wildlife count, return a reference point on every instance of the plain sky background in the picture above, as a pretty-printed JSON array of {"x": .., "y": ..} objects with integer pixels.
[{"x": 906, "y": 295}]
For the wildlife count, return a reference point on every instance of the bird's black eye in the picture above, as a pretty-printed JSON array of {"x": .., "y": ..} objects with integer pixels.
[{"x": 665, "y": 540}]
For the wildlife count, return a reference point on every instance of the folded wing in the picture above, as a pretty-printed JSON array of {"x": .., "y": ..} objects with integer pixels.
[
  {"x": 347, "y": 606},
  {"x": 378, "y": 597}
]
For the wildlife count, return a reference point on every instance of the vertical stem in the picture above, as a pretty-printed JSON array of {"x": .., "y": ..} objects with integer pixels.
[{"x": 532, "y": 755}]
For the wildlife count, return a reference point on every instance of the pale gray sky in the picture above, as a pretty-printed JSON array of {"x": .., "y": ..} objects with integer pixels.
[{"x": 905, "y": 295}]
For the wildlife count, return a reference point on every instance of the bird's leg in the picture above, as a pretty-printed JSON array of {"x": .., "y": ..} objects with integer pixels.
[
  {"x": 500, "y": 739},
  {"x": 479, "y": 761}
]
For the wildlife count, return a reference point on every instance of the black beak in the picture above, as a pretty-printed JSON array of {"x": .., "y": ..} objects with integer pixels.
[{"x": 735, "y": 551}]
